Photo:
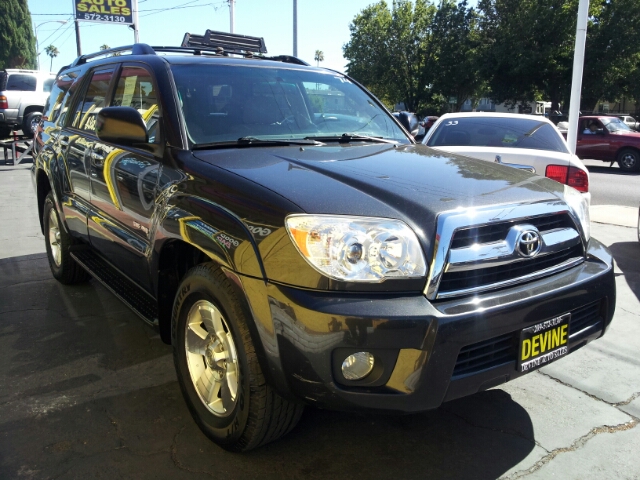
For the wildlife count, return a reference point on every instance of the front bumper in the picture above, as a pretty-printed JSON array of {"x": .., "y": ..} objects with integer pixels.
[{"x": 430, "y": 352}]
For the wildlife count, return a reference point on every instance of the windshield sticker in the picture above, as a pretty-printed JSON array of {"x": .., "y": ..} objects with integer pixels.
[
  {"x": 129, "y": 90},
  {"x": 450, "y": 123},
  {"x": 510, "y": 138}
]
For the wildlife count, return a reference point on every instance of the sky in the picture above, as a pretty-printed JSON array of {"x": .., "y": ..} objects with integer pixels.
[{"x": 322, "y": 25}]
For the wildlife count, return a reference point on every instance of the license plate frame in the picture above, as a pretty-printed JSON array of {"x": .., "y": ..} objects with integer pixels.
[{"x": 543, "y": 343}]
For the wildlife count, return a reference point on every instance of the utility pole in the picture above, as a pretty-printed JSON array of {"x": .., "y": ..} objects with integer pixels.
[
  {"x": 78, "y": 44},
  {"x": 295, "y": 28},
  {"x": 576, "y": 82},
  {"x": 232, "y": 16},
  {"x": 136, "y": 33}
]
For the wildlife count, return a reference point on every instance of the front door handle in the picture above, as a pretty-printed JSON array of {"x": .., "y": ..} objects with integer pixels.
[{"x": 97, "y": 159}]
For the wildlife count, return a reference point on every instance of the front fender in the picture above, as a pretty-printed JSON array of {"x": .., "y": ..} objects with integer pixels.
[{"x": 212, "y": 229}]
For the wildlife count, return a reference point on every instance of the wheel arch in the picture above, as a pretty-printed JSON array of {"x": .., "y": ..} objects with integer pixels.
[
  {"x": 43, "y": 187},
  {"x": 175, "y": 259}
]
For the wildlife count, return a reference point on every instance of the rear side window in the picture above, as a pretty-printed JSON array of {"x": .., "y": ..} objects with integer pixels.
[
  {"x": 57, "y": 103},
  {"x": 25, "y": 83},
  {"x": 94, "y": 100},
  {"x": 514, "y": 132}
]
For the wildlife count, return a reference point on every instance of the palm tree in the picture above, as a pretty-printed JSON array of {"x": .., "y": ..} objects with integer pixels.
[
  {"x": 52, "y": 52},
  {"x": 319, "y": 57}
]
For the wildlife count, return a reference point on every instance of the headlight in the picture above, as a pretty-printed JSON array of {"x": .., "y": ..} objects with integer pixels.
[
  {"x": 580, "y": 208},
  {"x": 357, "y": 249}
]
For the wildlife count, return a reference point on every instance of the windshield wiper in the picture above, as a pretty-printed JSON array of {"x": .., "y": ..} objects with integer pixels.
[
  {"x": 277, "y": 141},
  {"x": 258, "y": 142},
  {"x": 351, "y": 137}
]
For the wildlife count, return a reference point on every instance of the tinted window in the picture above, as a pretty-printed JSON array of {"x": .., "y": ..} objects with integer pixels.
[
  {"x": 135, "y": 89},
  {"x": 59, "y": 97},
  {"x": 498, "y": 132},
  {"x": 48, "y": 83},
  {"x": 222, "y": 103},
  {"x": 95, "y": 99},
  {"x": 26, "y": 83}
]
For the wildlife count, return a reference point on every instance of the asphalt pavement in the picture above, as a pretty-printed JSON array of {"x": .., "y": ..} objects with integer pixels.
[{"x": 89, "y": 391}]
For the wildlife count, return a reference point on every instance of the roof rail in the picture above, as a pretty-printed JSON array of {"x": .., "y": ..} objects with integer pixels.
[
  {"x": 287, "y": 59},
  {"x": 136, "y": 49},
  {"x": 227, "y": 42}
]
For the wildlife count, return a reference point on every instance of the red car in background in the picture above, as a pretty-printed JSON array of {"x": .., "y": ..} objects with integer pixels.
[{"x": 609, "y": 139}]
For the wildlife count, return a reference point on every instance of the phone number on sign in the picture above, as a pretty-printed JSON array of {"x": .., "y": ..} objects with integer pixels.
[{"x": 104, "y": 18}]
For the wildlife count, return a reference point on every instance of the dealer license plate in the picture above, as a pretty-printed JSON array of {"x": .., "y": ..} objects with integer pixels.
[{"x": 543, "y": 343}]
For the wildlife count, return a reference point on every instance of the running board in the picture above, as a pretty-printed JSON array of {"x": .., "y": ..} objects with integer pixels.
[{"x": 127, "y": 291}]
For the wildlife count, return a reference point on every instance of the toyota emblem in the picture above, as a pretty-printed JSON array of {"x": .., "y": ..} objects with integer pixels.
[{"x": 529, "y": 243}]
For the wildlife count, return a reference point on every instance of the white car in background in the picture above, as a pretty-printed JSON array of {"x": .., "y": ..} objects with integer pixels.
[{"x": 529, "y": 142}]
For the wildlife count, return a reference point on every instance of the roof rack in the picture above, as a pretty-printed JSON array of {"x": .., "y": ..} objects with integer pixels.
[
  {"x": 212, "y": 47},
  {"x": 136, "y": 49},
  {"x": 228, "y": 42}
]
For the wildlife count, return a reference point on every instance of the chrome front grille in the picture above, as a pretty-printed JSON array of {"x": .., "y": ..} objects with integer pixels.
[{"x": 488, "y": 249}]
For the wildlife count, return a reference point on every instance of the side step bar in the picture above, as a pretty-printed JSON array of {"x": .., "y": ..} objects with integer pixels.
[{"x": 127, "y": 291}]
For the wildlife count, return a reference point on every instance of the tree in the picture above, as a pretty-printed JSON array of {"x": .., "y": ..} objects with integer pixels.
[
  {"x": 104, "y": 46},
  {"x": 527, "y": 48},
  {"x": 18, "y": 46},
  {"x": 391, "y": 51},
  {"x": 319, "y": 57},
  {"x": 612, "y": 54},
  {"x": 457, "y": 42},
  {"x": 53, "y": 52}
]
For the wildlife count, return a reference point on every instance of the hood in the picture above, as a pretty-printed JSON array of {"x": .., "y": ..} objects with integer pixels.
[{"x": 409, "y": 182}]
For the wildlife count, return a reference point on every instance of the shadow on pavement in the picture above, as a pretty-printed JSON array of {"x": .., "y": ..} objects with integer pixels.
[
  {"x": 89, "y": 391},
  {"x": 627, "y": 256},
  {"x": 613, "y": 170}
]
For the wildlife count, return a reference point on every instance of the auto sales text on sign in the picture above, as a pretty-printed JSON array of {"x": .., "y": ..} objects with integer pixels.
[{"x": 110, "y": 11}]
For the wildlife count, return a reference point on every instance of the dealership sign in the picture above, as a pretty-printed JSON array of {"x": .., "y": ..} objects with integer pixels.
[{"x": 110, "y": 11}]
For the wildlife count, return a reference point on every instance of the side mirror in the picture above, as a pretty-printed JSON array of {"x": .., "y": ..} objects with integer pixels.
[
  {"x": 409, "y": 121},
  {"x": 121, "y": 125}
]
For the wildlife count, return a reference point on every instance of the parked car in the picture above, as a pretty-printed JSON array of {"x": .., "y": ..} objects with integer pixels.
[
  {"x": 23, "y": 94},
  {"x": 294, "y": 244},
  {"x": 608, "y": 139},
  {"x": 426, "y": 124},
  {"x": 630, "y": 122},
  {"x": 523, "y": 141}
]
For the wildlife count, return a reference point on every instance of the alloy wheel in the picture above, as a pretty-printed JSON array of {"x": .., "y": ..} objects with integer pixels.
[
  {"x": 212, "y": 358},
  {"x": 54, "y": 238}
]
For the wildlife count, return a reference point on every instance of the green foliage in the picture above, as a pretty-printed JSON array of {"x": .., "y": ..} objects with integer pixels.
[
  {"x": 510, "y": 50},
  {"x": 17, "y": 42},
  {"x": 612, "y": 55},
  {"x": 391, "y": 52},
  {"x": 528, "y": 48}
]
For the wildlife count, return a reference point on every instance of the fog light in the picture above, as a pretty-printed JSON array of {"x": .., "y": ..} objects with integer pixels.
[{"x": 357, "y": 366}]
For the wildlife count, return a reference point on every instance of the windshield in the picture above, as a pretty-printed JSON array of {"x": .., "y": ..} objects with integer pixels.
[
  {"x": 223, "y": 103},
  {"x": 615, "y": 125},
  {"x": 501, "y": 132}
]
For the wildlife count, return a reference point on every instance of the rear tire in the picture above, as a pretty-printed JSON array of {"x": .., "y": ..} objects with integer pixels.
[
  {"x": 629, "y": 160},
  {"x": 30, "y": 123},
  {"x": 218, "y": 369},
  {"x": 57, "y": 240}
]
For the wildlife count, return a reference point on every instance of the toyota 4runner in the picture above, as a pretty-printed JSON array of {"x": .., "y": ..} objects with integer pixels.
[{"x": 292, "y": 242}]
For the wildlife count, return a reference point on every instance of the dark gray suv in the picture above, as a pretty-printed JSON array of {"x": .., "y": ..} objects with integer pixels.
[{"x": 292, "y": 242}]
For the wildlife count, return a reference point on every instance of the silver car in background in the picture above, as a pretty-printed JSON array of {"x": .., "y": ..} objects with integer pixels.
[{"x": 530, "y": 142}]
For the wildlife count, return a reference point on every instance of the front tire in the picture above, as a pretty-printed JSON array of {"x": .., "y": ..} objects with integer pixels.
[
  {"x": 218, "y": 369},
  {"x": 629, "y": 160},
  {"x": 57, "y": 241}
]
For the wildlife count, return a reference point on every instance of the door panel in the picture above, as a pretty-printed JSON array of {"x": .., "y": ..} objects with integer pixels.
[{"x": 124, "y": 183}]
